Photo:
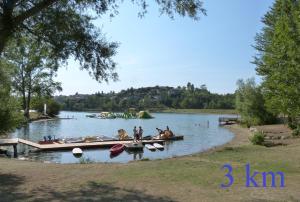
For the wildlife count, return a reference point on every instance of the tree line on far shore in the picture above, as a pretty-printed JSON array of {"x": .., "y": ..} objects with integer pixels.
[{"x": 149, "y": 98}]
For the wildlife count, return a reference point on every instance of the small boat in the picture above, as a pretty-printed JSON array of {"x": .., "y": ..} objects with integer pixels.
[
  {"x": 77, "y": 152},
  {"x": 106, "y": 138},
  {"x": 92, "y": 139},
  {"x": 91, "y": 115},
  {"x": 134, "y": 146},
  {"x": 150, "y": 147},
  {"x": 148, "y": 137},
  {"x": 74, "y": 140},
  {"x": 158, "y": 146},
  {"x": 116, "y": 149}
]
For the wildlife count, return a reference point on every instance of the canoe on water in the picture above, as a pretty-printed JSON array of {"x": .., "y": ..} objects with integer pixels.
[
  {"x": 150, "y": 147},
  {"x": 116, "y": 149},
  {"x": 158, "y": 146}
]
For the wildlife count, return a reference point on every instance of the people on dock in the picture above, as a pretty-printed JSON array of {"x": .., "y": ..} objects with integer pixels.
[
  {"x": 168, "y": 133},
  {"x": 135, "y": 133},
  {"x": 160, "y": 132},
  {"x": 122, "y": 134},
  {"x": 140, "y": 133}
]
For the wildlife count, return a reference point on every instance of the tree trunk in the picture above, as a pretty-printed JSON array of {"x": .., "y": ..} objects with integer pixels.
[
  {"x": 3, "y": 39},
  {"x": 28, "y": 99},
  {"x": 26, "y": 112}
]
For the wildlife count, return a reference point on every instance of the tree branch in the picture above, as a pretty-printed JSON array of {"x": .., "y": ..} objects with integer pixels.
[{"x": 34, "y": 10}]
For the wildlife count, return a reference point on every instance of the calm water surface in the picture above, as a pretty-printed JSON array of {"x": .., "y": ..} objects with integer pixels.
[{"x": 197, "y": 135}]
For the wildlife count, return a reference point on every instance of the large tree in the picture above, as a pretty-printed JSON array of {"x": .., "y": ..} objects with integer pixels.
[
  {"x": 34, "y": 69},
  {"x": 66, "y": 26},
  {"x": 278, "y": 58},
  {"x": 10, "y": 115},
  {"x": 250, "y": 103}
]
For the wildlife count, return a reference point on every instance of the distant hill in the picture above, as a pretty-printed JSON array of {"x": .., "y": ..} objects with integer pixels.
[{"x": 150, "y": 98}]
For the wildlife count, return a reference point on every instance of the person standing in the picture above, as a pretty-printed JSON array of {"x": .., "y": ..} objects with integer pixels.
[
  {"x": 135, "y": 134},
  {"x": 140, "y": 133}
]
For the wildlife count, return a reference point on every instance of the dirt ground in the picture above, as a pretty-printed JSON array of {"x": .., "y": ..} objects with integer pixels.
[{"x": 190, "y": 178}]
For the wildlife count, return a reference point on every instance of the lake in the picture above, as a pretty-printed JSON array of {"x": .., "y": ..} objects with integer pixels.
[{"x": 201, "y": 132}]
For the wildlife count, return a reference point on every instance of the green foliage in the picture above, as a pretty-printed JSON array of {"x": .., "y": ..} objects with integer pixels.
[
  {"x": 53, "y": 107},
  {"x": 278, "y": 58},
  {"x": 257, "y": 138},
  {"x": 85, "y": 160},
  {"x": 250, "y": 104},
  {"x": 296, "y": 131},
  {"x": 53, "y": 22},
  {"x": 34, "y": 69},
  {"x": 10, "y": 115},
  {"x": 149, "y": 98}
]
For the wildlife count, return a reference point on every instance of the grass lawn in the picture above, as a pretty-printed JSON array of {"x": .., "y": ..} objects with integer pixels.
[
  {"x": 201, "y": 111},
  {"x": 190, "y": 178}
]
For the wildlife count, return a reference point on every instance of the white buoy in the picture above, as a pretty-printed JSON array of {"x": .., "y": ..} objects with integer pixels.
[{"x": 77, "y": 152}]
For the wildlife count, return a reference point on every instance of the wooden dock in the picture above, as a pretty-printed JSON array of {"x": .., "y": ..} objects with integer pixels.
[
  {"x": 70, "y": 146},
  {"x": 228, "y": 120},
  {"x": 10, "y": 142}
]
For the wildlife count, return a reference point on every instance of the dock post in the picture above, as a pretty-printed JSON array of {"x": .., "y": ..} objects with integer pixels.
[{"x": 15, "y": 151}]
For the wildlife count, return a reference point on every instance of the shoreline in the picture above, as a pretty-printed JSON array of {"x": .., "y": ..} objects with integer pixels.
[{"x": 240, "y": 138}]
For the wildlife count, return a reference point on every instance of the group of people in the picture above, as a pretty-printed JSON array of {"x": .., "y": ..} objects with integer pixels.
[
  {"x": 137, "y": 134},
  {"x": 165, "y": 133},
  {"x": 160, "y": 131},
  {"x": 49, "y": 138}
]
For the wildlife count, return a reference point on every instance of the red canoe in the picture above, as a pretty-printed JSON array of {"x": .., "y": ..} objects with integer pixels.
[{"x": 116, "y": 149}]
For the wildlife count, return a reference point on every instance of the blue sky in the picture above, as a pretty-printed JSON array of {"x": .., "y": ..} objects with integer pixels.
[{"x": 155, "y": 50}]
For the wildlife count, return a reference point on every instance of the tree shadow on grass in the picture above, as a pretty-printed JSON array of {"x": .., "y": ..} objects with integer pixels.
[
  {"x": 100, "y": 192},
  {"x": 10, "y": 191},
  {"x": 9, "y": 188}
]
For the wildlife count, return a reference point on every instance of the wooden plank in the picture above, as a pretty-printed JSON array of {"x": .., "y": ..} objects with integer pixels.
[
  {"x": 8, "y": 142},
  {"x": 104, "y": 144},
  {"x": 70, "y": 146},
  {"x": 29, "y": 143}
]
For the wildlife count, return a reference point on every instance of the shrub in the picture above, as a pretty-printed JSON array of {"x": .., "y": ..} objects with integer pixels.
[
  {"x": 85, "y": 160},
  {"x": 53, "y": 107},
  {"x": 257, "y": 138},
  {"x": 296, "y": 132},
  {"x": 251, "y": 104}
]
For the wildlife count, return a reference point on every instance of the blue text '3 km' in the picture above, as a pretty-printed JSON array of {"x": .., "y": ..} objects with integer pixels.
[{"x": 252, "y": 178}]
